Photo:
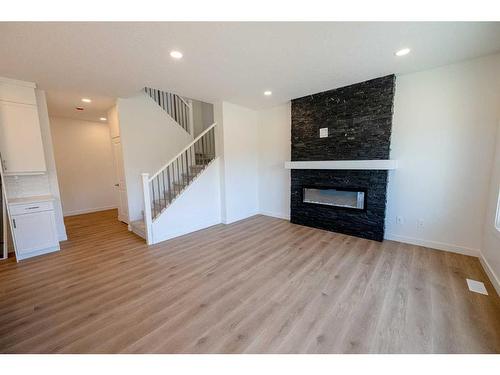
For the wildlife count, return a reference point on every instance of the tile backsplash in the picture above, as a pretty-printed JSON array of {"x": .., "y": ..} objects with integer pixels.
[{"x": 27, "y": 186}]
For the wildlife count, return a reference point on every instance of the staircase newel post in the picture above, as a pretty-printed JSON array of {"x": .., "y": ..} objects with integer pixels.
[{"x": 148, "y": 222}]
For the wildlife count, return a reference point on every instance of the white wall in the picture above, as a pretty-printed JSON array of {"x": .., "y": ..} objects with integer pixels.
[
  {"x": 84, "y": 162},
  {"x": 45, "y": 184},
  {"x": 491, "y": 236},
  {"x": 50, "y": 162},
  {"x": 150, "y": 138},
  {"x": 239, "y": 146},
  {"x": 196, "y": 208},
  {"x": 274, "y": 150},
  {"x": 443, "y": 135},
  {"x": 203, "y": 116}
]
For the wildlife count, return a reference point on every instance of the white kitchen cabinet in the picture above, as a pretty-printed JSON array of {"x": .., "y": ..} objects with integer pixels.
[
  {"x": 34, "y": 227},
  {"x": 12, "y": 90},
  {"x": 21, "y": 139}
]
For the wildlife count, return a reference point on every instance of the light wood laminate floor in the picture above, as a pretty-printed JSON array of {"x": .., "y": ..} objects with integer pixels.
[{"x": 261, "y": 285}]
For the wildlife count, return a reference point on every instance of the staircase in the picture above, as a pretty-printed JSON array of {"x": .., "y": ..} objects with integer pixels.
[
  {"x": 178, "y": 108},
  {"x": 166, "y": 185}
]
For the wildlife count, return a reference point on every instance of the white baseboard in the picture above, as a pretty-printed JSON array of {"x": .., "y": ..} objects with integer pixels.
[
  {"x": 491, "y": 274},
  {"x": 275, "y": 214},
  {"x": 239, "y": 218},
  {"x": 37, "y": 253},
  {"x": 88, "y": 210},
  {"x": 434, "y": 245},
  {"x": 197, "y": 227}
]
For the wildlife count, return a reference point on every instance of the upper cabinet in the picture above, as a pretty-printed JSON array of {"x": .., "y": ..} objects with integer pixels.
[
  {"x": 21, "y": 144},
  {"x": 17, "y": 91}
]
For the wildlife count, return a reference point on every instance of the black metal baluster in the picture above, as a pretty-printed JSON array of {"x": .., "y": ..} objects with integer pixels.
[
  {"x": 170, "y": 104},
  {"x": 159, "y": 199},
  {"x": 153, "y": 197},
  {"x": 203, "y": 147},
  {"x": 169, "y": 186},
  {"x": 178, "y": 180},
  {"x": 186, "y": 121},
  {"x": 163, "y": 188},
  {"x": 187, "y": 165},
  {"x": 183, "y": 107}
]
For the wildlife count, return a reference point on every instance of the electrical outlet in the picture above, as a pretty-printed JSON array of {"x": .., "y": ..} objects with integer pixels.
[
  {"x": 400, "y": 220},
  {"x": 420, "y": 223}
]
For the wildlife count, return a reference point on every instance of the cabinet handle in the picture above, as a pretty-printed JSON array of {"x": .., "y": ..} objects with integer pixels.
[
  {"x": 32, "y": 208},
  {"x": 14, "y": 223}
]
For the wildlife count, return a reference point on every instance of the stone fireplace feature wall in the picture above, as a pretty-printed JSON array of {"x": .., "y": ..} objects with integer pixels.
[{"x": 359, "y": 122}]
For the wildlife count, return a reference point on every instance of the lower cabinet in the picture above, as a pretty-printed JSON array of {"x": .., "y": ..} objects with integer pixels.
[{"x": 34, "y": 229}]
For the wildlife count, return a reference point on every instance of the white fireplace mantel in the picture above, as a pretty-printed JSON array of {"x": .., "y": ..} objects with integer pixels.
[{"x": 343, "y": 164}]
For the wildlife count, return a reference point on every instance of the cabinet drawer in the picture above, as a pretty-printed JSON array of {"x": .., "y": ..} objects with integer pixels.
[{"x": 20, "y": 209}]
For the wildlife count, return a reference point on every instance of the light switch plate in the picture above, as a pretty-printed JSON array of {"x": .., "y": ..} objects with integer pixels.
[
  {"x": 476, "y": 286},
  {"x": 323, "y": 132}
]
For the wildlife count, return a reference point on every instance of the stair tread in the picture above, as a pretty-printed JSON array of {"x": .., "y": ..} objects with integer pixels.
[
  {"x": 138, "y": 224},
  {"x": 138, "y": 228}
]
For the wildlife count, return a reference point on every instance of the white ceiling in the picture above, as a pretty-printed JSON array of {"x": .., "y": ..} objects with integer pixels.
[
  {"x": 63, "y": 104},
  {"x": 229, "y": 61}
]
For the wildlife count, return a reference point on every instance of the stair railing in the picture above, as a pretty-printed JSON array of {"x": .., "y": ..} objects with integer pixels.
[
  {"x": 164, "y": 186},
  {"x": 176, "y": 107}
]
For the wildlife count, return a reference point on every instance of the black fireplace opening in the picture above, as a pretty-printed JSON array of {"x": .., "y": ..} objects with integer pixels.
[
  {"x": 322, "y": 206},
  {"x": 335, "y": 197}
]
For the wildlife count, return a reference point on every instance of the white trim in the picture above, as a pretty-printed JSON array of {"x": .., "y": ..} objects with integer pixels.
[
  {"x": 491, "y": 274},
  {"x": 37, "y": 253},
  {"x": 88, "y": 210},
  {"x": 148, "y": 223},
  {"x": 244, "y": 217},
  {"x": 275, "y": 214},
  {"x": 201, "y": 226},
  {"x": 17, "y": 82},
  {"x": 343, "y": 164},
  {"x": 434, "y": 245}
]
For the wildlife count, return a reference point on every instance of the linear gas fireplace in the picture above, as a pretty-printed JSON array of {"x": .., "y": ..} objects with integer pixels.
[{"x": 344, "y": 198}]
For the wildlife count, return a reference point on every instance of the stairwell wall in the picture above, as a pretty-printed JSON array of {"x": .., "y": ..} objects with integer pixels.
[
  {"x": 196, "y": 208},
  {"x": 149, "y": 138},
  {"x": 238, "y": 148}
]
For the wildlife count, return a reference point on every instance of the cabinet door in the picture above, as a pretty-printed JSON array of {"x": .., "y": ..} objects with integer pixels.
[
  {"x": 21, "y": 139},
  {"x": 34, "y": 232}
]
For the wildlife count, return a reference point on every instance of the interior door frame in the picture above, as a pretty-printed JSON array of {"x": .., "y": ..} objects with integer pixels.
[{"x": 120, "y": 186}]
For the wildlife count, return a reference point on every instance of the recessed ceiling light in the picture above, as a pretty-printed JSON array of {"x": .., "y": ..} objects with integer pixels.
[
  {"x": 103, "y": 119},
  {"x": 86, "y": 100},
  {"x": 268, "y": 93},
  {"x": 79, "y": 108},
  {"x": 176, "y": 54},
  {"x": 402, "y": 52}
]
